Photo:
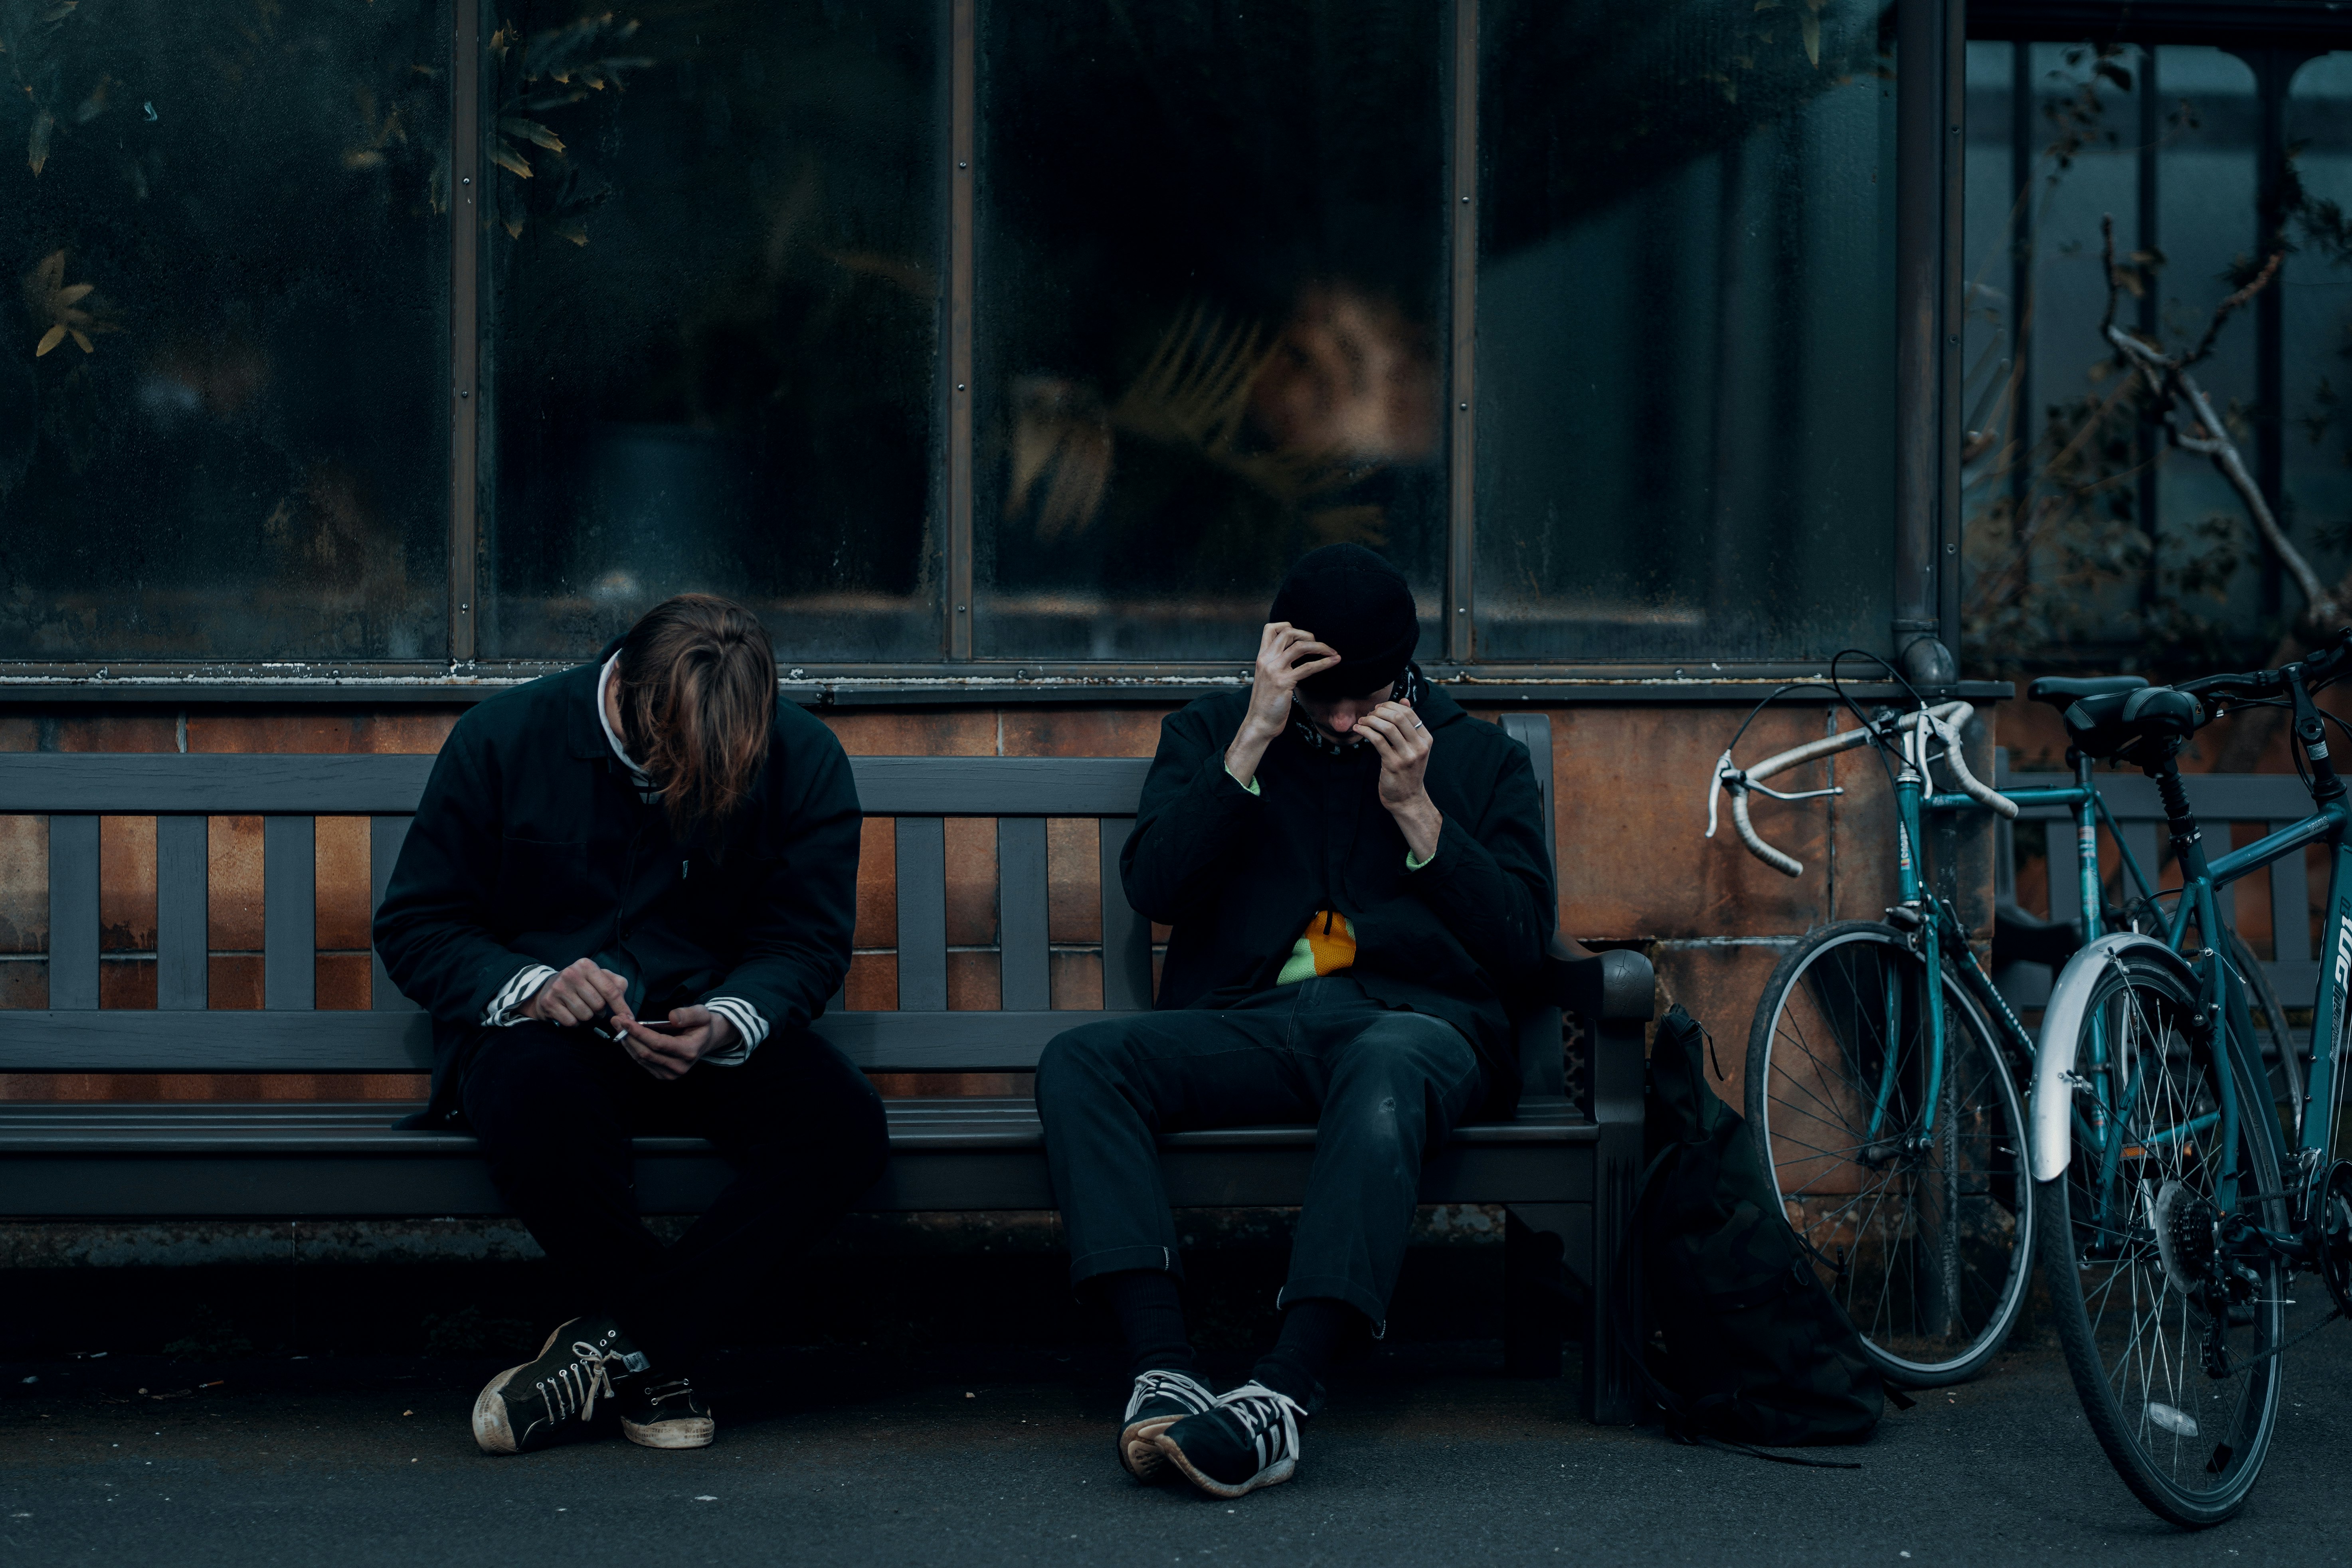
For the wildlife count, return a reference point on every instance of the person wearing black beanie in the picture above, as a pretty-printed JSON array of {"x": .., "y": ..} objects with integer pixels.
[{"x": 1354, "y": 875}]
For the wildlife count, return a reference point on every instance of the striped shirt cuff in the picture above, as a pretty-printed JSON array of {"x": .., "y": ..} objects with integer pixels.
[
  {"x": 505, "y": 1007},
  {"x": 750, "y": 1030}
]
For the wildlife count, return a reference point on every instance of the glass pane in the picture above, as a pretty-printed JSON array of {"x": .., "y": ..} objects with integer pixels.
[
  {"x": 1685, "y": 330},
  {"x": 224, "y": 406},
  {"x": 715, "y": 308},
  {"x": 1211, "y": 258}
]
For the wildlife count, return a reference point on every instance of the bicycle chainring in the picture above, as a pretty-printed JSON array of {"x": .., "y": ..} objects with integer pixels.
[{"x": 2331, "y": 1233}]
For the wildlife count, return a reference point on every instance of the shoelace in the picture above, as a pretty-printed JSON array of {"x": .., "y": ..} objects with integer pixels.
[
  {"x": 1172, "y": 1386},
  {"x": 575, "y": 1389},
  {"x": 1262, "y": 1412}
]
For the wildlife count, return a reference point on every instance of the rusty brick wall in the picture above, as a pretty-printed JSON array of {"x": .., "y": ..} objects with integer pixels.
[{"x": 1630, "y": 784}]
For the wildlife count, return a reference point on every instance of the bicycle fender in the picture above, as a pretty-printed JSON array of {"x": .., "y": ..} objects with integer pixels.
[{"x": 2061, "y": 1025}]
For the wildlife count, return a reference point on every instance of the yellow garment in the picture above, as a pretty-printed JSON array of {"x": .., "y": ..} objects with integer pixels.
[{"x": 1327, "y": 946}]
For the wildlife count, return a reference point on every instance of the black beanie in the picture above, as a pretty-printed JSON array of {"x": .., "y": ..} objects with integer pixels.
[{"x": 1344, "y": 595}]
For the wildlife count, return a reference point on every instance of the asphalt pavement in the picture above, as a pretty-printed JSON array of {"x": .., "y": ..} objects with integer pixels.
[{"x": 1426, "y": 1454}]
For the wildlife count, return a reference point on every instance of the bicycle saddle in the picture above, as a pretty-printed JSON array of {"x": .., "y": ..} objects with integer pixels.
[
  {"x": 2140, "y": 724},
  {"x": 2060, "y": 692}
]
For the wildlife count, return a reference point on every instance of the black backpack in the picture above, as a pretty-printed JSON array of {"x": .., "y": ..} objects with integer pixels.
[{"x": 1735, "y": 1334}]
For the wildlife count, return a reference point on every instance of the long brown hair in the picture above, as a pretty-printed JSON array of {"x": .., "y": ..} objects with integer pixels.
[{"x": 698, "y": 703}]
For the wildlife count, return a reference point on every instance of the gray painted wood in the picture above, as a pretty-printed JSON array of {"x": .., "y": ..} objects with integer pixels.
[
  {"x": 385, "y": 836},
  {"x": 999, "y": 786},
  {"x": 2290, "y": 908},
  {"x": 947, "y": 1042},
  {"x": 1022, "y": 897},
  {"x": 2217, "y": 797},
  {"x": 290, "y": 913},
  {"x": 122, "y": 1040},
  {"x": 73, "y": 911},
  {"x": 922, "y": 913},
  {"x": 140, "y": 783},
  {"x": 182, "y": 883},
  {"x": 1125, "y": 935}
]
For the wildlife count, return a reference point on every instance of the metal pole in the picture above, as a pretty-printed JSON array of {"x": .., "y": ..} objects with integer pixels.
[
  {"x": 1924, "y": 125},
  {"x": 2151, "y": 127}
]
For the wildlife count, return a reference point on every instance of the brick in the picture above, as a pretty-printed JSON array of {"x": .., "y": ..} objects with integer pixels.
[
  {"x": 1073, "y": 884},
  {"x": 127, "y": 983},
  {"x": 952, "y": 1085},
  {"x": 307, "y": 730},
  {"x": 344, "y": 981},
  {"x": 117, "y": 732},
  {"x": 342, "y": 881},
  {"x": 873, "y": 984},
  {"x": 24, "y": 884},
  {"x": 126, "y": 884},
  {"x": 1719, "y": 986},
  {"x": 950, "y": 732},
  {"x": 19, "y": 732},
  {"x": 23, "y": 983},
  {"x": 877, "y": 884},
  {"x": 1082, "y": 732},
  {"x": 1073, "y": 980},
  {"x": 975, "y": 982},
  {"x": 971, "y": 880},
  {"x": 233, "y": 864},
  {"x": 233, "y": 982}
]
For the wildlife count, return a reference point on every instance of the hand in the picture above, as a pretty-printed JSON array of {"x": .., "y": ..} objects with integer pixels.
[
  {"x": 1274, "y": 683},
  {"x": 694, "y": 1033},
  {"x": 1404, "y": 743},
  {"x": 577, "y": 994}
]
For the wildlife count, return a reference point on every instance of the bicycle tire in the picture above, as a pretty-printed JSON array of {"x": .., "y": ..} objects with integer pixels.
[
  {"x": 1929, "y": 1249},
  {"x": 2190, "y": 1446}
]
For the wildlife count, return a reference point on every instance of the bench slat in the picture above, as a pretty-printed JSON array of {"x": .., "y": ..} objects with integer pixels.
[
  {"x": 923, "y": 914},
  {"x": 183, "y": 882},
  {"x": 73, "y": 912},
  {"x": 1022, "y": 909},
  {"x": 1125, "y": 935},
  {"x": 385, "y": 836},
  {"x": 290, "y": 913},
  {"x": 999, "y": 786}
]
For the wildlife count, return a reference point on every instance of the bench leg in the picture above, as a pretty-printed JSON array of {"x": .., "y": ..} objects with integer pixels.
[{"x": 1608, "y": 1395}]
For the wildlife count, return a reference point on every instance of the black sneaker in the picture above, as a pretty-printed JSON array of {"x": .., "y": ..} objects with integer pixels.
[
  {"x": 526, "y": 1407},
  {"x": 1161, "y": 1400},
  {"x": 666, "y": 1414},
  {"x": 1248, "y": 1439}
]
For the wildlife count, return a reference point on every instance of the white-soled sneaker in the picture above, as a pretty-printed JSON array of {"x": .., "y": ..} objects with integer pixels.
[
  {"x": 526, "y": 1407},
  {"x": 666, "y": 1414},
  {"x": 1248, "y": 1439},
  {"x": 1161, "y": 1400}
]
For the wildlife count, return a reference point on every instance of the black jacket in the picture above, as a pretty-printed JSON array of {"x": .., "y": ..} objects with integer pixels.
[
  {"x": 532, "y": 846},
  {"x": 1236, "y": 874}
]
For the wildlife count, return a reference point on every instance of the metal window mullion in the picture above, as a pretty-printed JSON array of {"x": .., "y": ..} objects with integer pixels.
[
  {"x": 1461, "y": 205},
  {"x": 465, "y": 321},
  {"x": 963, "y": 137}
]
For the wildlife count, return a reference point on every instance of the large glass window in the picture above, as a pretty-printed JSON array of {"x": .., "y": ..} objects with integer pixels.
[
  {"x": 1686, "y": 334},
  {"x": 1212, "y": 254},
  {"x": 715, "y": 279},
  {"x": 224, "y": 396}
]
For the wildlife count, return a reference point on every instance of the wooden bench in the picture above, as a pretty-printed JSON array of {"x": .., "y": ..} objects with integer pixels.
[{"x": 1565, "y": 1165}]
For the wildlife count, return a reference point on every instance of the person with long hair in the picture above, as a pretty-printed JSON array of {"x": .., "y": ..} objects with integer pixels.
[{"x": 627, "y": 892}]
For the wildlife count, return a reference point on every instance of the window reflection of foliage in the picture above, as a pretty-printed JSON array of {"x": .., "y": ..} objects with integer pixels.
[
  {"x": 2046, "y": 570},
  {"x": 543, "y": 76}
]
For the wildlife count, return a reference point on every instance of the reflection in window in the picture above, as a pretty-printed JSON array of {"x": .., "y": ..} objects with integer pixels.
[
  {"x": 715, "y": 271},
  {"x": 223, "y": 389},
  {"x": 1211, "y": 261},
  {"x": 1685, "y": 344}
]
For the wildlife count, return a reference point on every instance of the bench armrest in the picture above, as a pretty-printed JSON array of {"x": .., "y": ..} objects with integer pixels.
[{"x": 1616, "y": 985}]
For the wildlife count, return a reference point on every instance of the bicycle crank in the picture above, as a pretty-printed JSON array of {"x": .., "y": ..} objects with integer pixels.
[{"x": 2330, "y": 1234}]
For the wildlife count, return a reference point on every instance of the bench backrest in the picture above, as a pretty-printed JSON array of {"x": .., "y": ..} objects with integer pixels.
[
  {"x": 2268, "y": 800},
  {"x": 289, "y": 791}
]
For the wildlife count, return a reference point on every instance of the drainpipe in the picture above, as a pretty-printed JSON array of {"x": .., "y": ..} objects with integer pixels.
[{"x": 1930, "y": 53}]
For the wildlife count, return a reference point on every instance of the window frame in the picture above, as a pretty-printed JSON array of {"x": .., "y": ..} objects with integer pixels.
[{"x": 1923, "y": 511}]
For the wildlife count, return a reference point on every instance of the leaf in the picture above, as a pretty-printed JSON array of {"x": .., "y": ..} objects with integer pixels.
[
  {"x": 530, "y": 131},
  {"x": 83, "y": 338},
  {"x": 50, "y": 340},
  {"x": 1808, "y": 27},
  {"x": 61, "y": 11},
  {"x": 507, "y": 158},
  {"x": 572, "y": 229},
  {"x": 36, "y": 145},
  {"x": 2114, "y": 73},
  {"x": 51, "y": 272},
  {"x": 75, "y": 295}
]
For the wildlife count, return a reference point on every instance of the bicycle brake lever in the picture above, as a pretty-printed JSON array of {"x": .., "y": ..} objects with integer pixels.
[{"x": 1723, "y": 769}]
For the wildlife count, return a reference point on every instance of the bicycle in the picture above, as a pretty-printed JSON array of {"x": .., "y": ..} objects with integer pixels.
[
  {"x": 1884, "y": 1069},
  {"x": 2175, "y": 1207}
]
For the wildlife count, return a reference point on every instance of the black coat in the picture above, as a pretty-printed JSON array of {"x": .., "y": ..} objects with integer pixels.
[
  {"x": 1237, "y": 875},
  {"x": 532, "y": 846}
]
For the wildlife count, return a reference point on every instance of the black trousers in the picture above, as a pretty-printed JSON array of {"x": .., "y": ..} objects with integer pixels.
[
  {"x": 1383, "y": 1087},
  {"x": 555, "y": 1109}
]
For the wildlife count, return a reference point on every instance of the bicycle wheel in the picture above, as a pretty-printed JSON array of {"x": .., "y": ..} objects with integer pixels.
[
  {"x": 2168, "y": 1319},
  {"x": 1921, "y": 1225}
]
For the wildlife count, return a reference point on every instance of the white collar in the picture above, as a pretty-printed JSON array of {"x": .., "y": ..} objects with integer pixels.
[{"x": 605, "y": 721}]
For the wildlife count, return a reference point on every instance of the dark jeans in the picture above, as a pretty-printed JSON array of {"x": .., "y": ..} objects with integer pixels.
[
  {"x": 1384, "y": 1087},
  {"x": 555, "y": 1109}
]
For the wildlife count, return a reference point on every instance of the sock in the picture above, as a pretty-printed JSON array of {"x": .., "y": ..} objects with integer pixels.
[
  {"x": 1151, "y": 1319},
  {"x": 1303, "y": 1353}
]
